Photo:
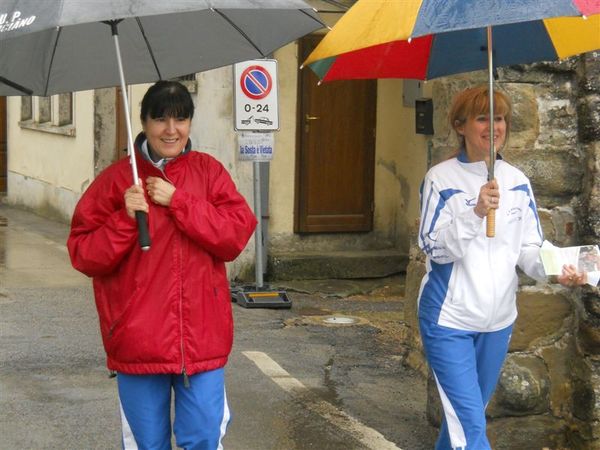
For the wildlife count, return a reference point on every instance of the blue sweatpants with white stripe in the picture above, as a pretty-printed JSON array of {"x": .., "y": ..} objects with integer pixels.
[
  {"x": 201, "y": 411},
  {"x": 466, "y": 366}
]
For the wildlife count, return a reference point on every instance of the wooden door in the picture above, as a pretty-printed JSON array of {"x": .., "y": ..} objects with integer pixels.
[
  {"x": 336, "y": 150},
  {"x": 3, "y": 152}
]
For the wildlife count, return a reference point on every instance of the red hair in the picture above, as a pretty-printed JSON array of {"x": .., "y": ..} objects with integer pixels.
[{"x": 475, "y": 101}]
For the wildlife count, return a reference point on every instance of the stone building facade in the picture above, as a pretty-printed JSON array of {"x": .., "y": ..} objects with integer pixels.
[{"x": 549, "y": 391}]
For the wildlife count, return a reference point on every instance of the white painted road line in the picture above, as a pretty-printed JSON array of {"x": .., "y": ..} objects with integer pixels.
[{"x": 369, "y": 437}]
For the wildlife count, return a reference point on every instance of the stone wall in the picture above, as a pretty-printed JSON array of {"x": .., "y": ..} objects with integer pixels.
[{"x": 549, "y": 391}]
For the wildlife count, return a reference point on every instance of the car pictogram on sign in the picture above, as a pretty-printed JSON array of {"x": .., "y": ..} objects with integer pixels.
[{"x": 263, "y": 120}]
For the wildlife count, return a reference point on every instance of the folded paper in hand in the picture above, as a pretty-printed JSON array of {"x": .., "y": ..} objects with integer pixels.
[{"x": 586, "y": 258}]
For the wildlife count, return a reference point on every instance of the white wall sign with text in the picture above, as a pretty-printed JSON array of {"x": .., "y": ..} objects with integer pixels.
[{"x": 254, "y": 146}]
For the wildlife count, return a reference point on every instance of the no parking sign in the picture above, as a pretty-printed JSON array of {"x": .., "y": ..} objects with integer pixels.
[{"x": 255, "y": 95}]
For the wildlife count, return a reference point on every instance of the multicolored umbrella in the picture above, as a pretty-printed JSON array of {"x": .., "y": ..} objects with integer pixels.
[{"x": 426, "y": 39}]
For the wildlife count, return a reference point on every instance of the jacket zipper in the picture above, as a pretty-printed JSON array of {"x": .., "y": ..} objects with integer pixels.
[{"x": 186, "y": 380}]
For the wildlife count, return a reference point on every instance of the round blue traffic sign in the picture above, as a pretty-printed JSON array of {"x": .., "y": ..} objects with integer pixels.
[{"x": 256, "y": 82}]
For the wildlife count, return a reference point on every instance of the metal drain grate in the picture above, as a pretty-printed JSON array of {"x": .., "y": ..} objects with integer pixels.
[{"x": 3, "y": 221}]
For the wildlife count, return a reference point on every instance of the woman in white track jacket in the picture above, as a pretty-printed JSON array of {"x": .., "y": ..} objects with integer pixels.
[{"x": 467, "y": 297}]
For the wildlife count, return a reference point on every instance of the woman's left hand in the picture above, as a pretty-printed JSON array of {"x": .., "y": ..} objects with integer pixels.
[
  {"x": 159, "y": 190},
  {"x": 570, "y": 277}
]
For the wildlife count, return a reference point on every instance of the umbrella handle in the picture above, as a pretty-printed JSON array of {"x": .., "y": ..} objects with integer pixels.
[
  {"x": 143, "y": 236},
  {"x": 490, "y": 229},
  {"x": 140, "y": 216}
]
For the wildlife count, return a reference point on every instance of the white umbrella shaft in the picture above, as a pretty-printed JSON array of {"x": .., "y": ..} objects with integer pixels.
[
  {"x": 491, "y": 101},
  {"x": 130, "y": 148}
]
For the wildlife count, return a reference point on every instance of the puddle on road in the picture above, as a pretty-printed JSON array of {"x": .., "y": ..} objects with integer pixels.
[
  {"x": 340, "y": 320},
  {"x": 328, "y": 320}
]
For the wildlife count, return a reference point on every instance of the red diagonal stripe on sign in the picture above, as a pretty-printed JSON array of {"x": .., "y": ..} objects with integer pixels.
[{"x": 258, "y": 83}]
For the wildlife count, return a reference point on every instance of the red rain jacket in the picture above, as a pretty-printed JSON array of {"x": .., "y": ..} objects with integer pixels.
[{"x": 168, "y": 309}]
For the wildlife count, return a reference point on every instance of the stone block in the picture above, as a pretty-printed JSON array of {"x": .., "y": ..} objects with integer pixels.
[
  {"x": 559, "y": 225},
  {"x": 583, "y": 399},
  {"x": 548, "y": 229},
  {"x": 592, "y": 221},
  {"x": 565, "y": 226},
  {"x": 340, "y": 264},
  {"x": 558, "y": 119},
  {"x": 588, "y": 109},
  {"x": 590, "y": 73},
  {"x": 525, "y": 109},
  {"x": 562, "y": 359},
  {"x": 527, "y": 433},
  {"x": 543, "y": 73},
  {"x": 594, "y": 380},
  {"x": 591, "y": 303},
  {"x": 543, "y": 317},
  {"x": 589, "y": 335},
  {"x": 523, "y": 388},
  {"x": 551, "y": 172}
]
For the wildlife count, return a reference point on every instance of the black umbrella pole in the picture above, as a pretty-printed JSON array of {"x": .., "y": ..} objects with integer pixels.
[
  {"x": 141, "y": 216},
  {"x": 491, "y": 216}
]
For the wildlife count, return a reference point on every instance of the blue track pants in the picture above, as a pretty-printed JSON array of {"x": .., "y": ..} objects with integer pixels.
[
  {"x": 466, "y": 366},
  {"x": 201, "y": 411}
]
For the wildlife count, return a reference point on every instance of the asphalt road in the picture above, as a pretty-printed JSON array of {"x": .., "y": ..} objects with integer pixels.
[{"x": 294, "y": 382}]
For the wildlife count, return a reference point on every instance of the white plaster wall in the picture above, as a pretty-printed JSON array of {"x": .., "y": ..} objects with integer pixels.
[
  {"x": 400, "y": 164},
  {"x": 47, "y": 172},
  {"x": 282, "y": 171}
]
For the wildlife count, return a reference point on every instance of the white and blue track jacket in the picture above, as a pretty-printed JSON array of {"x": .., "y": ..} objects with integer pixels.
[{"x": 471, "y": 280}]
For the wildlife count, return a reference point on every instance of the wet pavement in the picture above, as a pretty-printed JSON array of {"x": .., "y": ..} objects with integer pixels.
[{"x": 297, "y": 379}]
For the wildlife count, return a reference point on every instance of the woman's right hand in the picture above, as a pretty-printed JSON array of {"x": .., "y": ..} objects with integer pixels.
[
  {"x": 135, "y": 200},
  {"x": 489, "y": 198}
]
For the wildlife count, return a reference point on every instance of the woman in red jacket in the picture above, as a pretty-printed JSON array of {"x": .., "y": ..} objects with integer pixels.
[{"x": 165, "y": 314}]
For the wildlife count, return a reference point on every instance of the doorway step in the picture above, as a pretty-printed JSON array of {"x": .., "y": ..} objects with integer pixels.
[{"x": 349, "y": 264}]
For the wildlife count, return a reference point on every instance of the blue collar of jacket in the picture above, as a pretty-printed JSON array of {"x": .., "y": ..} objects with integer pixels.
[
  {"x": 464, "y": 158},
  {"x": 477, "y": 167}
]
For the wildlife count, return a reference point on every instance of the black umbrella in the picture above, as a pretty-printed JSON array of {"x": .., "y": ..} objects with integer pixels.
[{"x": 49, "y": 47}]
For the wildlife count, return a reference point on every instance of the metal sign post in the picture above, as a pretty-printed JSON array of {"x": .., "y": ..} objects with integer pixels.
[
  {"x": 256, "y": 116},
  {"x": 258, "y": 233}
]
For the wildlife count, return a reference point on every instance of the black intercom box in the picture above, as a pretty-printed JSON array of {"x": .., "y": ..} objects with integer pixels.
[{"x": 424, "y": 116}]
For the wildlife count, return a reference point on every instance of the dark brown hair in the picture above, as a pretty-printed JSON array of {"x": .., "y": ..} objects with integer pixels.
[{"x": 167, "y": 99}]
